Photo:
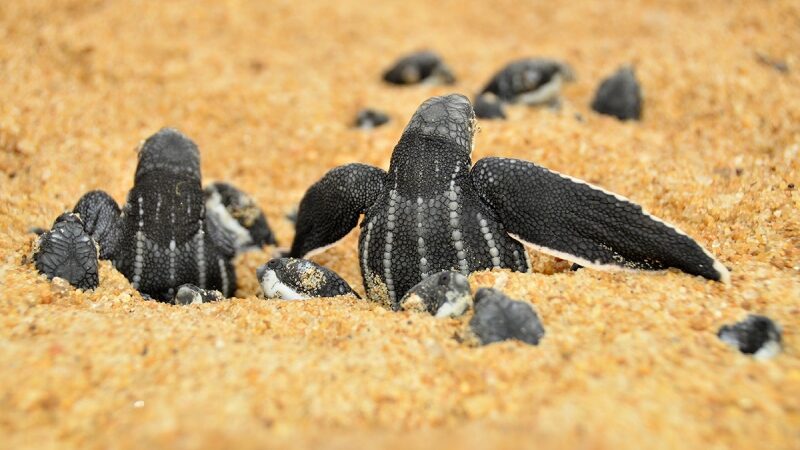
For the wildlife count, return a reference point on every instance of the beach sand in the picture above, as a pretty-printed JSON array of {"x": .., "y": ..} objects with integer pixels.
[{"x": 269, "y": 92}]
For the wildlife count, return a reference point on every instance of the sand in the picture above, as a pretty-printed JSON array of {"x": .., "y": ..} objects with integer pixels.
[{"x": 268, "y": 91}]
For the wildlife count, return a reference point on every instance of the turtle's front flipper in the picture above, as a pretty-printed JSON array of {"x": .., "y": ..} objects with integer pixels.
[
  {"x": 100, "y": 215},
  {"x": 67, "y": 251},
  {"x": 574, "y": 220},
  {"x": 331, "y": 206}
]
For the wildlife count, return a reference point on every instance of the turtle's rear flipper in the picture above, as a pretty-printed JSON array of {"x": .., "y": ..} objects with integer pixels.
[
  {"x": 331, "y": 206},
  {"x": 584, "y": 224},
  {"x": 100, "y": 214},
  {"x": 68, "y": 252}
]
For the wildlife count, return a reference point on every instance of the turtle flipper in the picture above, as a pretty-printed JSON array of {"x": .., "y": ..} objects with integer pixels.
[
  {"x": 574, "y": 220},
  {"x": 331, "y": 206},
  {"x": 100, "y": 215},
  {"x": 67, "y": 251}
]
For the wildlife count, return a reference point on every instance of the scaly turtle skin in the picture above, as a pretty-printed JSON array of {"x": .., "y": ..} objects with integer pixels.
[
  {"x": 162, "y": 239},
  {"x": 100, "y": 215},
  {"x": 533, "y": 81},
  {"x": 299, "y": 279},
  {"x": 67, "y": 251},
  {"x": 498, "y": 318},
  {"x": 619, "y": 95},
  {"x": 419, "y": 67},
  {"x": 445, "y": 294},
  {"x": 430, "y": 213},
  {"x": 239, "y": 216}
]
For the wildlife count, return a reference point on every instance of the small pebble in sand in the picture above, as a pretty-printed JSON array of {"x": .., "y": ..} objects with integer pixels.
[
  {"x": 531, "y": 81},
  {"x": 68, "y": 252},
  {"x": 300, "y": 279},
  {"x": 499, "y": 318},
  {"x": 755, "y": 335},
  {"x": 369, "y": 118},
  {"x": 419, "y": 67},
  {"x": 619, "y": 95},
  {"x": 239, "y": 215},
  {"x": 445, "y": 294},
  {"x": 487, "y": 106},
  {"x": 189, "y": 294}
]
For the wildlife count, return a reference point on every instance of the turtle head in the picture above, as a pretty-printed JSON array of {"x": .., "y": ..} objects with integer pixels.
[
  {"x": 171, "y": 151},
  {"x": 449, "y": 117}
]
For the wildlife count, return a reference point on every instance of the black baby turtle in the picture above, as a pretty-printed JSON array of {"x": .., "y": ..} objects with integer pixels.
[
  {"x": 299, "y": 279},
  {"x": 487, "y": 106},
  {"x": 445, "y": 294},
  {"x": 162, "y": 239},
  {"x": 189, "y": 294},
  {"x": 369, "y": 118},
  {"x": 531, "y": 81},
  {"x": 619, "y": 95},
  {"x": 499, "y": 318},
  {"x": 67, "y": 251},
  {"x": 419, "y": 67},
  {"x": 430, "y": 213},
  {"x": 239, "y": 215},
  {"x": 755, "y": 335}
]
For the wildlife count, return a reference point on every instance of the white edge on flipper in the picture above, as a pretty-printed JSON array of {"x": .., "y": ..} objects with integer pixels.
[
  {"x": 724, "y": 274},
  {"x": 318, "y": 250},
  {"x": 274, "y": 288},
  {"x": 574, "y": 259}
]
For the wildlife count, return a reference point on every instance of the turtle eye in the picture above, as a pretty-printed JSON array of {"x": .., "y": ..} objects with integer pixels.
[
  {"x": 273, "y": 264},
  {"x": 444, "y": 278}
]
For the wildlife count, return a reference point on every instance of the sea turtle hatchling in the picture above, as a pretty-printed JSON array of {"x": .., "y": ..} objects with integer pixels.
[
  {"x": 445, "y": 294},
  {"x": 300, "y": 279},
  {"x": 239, "y": 216},
  {"x": 162, "y": 237},
  {"x": 431, "y": 212},
  {"x": 369, "y": 118},
  {"x": 530, "y": 81},
  {"x": 498, "y": 318},
  {"x": 67, "y": 251},
  {"x": 419, "y": 67},
  {"x": 619, "y": 95},
  {"x": 755, "y": 335},
  {"x": 189, "y": 294}
]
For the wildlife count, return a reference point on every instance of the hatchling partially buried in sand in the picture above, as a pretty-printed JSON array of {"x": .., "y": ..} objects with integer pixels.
[
  {"x": 434, "y": 211},
  {"x": 420, "y": 67},
  {"x": 162, "y": 237},
  {"x": 300, "y": 279},
  {"x": 530, "y": 81}
]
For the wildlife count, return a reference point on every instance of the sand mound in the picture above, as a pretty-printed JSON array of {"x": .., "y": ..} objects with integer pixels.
[{"x": 268, "y": 91}]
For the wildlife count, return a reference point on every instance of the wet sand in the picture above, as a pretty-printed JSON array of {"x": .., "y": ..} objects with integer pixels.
[{"x": 268, "y": 92}]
